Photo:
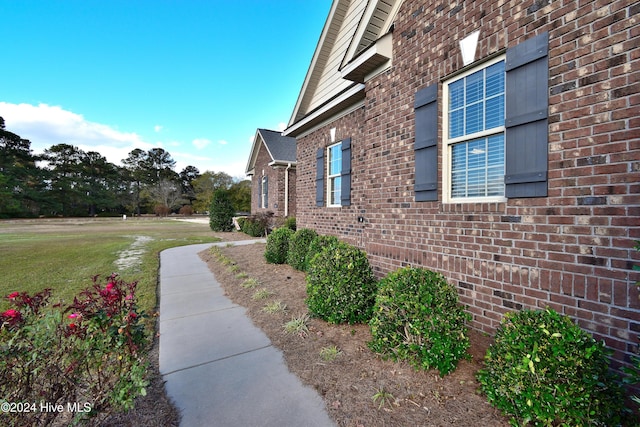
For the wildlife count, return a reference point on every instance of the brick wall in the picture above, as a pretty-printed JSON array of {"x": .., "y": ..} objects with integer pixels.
[
  {"x": 276, "y": 181},
  {"x": 572, "y": 250}
]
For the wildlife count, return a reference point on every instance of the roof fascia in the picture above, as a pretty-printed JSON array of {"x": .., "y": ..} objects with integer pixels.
[
  {"x": 364, "y": 24},
  {"x": 257, "y": 141},
  {"x": 344, "y": 101},
  {"x": 329, "y": 26}
]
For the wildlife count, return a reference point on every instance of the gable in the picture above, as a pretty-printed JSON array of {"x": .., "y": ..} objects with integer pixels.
[
  {"x": 281, "y": 149},
  {"x": 346, "y": 53}
]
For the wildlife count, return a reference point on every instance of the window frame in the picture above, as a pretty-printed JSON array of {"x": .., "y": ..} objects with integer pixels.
[
  {"x": 331, "y": 178},
  {"x": 264, "y": 194},
  {"x": 448, "y": 143}
]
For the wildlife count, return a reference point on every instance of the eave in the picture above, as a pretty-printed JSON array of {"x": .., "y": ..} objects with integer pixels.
[{"x": 370, "y": 61}]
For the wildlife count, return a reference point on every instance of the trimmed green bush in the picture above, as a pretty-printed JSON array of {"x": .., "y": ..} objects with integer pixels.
[
  {"x": 341, "y": 287},
  {"x": 221, "y": 211},
  {"x": 298, "y": 248},
  {"x": 317, "y": 245},
  {"x": 417, "y": 318},
  {"x": 544, "y": 370},
  {"x": 290, "y": 222},
  {"x": 278, "y": 245}
]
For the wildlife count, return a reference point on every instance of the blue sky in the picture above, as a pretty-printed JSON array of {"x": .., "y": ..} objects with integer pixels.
[{"x": 194, "y": 77}]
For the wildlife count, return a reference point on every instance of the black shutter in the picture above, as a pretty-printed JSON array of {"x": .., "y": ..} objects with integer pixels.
[
  {"x": 426, "y": 144},
  {"x": 320, "y": 177},
  {"x": 345, "y": 189},
  {"x": 526, "y": 123},
  {"x": 266, "y": 191}
]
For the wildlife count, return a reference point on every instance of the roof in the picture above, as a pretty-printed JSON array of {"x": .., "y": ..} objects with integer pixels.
[
  {"x": 281, "y": 149},
  {"x": 355, "y": 44}
]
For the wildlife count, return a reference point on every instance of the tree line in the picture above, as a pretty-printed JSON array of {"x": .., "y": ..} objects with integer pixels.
[{"x": 67, "y": 181}]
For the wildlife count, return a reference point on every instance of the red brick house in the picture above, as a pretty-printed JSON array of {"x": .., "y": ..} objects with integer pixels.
[
  {"x": 272, "y": 168},
  {"x": 497, "y": 142}
]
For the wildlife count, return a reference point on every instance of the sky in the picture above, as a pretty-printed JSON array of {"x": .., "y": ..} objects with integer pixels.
[{"x": 194, "y": 77}]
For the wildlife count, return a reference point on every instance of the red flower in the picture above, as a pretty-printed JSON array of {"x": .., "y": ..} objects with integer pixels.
[
  {"x": 74, "y": 315},
  {"x": 12, "y": 316},
  {"x": 13, "y": 295}
]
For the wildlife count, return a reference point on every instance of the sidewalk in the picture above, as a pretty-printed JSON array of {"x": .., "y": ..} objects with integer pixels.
[{"x": 221, "y": 370}]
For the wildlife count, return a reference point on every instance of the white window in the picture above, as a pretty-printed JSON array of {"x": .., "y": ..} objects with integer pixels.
[
  {"x": 264, "y": 193},
  {"x": 334, "y": 179},
  {"x": 474, "y": 134}
]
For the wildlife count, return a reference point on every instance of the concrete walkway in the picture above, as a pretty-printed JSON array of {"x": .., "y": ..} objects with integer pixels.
[{"x": 221, "y": 370}]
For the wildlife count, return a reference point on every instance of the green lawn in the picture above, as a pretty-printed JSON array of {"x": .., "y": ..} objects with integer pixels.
[{"x": 65, "y": 254}]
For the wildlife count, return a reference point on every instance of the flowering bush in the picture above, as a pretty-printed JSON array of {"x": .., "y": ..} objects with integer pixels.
[{"x": 85, "y": 356}]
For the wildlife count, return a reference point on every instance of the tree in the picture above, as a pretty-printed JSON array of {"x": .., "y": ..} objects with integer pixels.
[
  {"x": 136, "y": 175},
  {"x": 187, "y": 176},
  {"x": 22, "y": 183},
  {"x": 206, "y": 184},
  {"x": 221, "y": 211},
  {"x": 65, "y": 165},
  {"x": 240, "y": 194}
]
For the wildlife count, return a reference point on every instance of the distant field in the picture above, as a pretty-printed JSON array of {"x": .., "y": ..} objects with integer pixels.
[{"x": 64, "y": 254}]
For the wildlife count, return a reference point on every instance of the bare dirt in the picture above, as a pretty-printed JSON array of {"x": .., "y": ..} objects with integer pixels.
[{"x": 359, "y": 388}]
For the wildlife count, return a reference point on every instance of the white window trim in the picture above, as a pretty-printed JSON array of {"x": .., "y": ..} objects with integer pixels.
[
  {"x": 263, "y": 194},
  {"x": 331, "y": 177},
  {"x": 448, "y": 143}
]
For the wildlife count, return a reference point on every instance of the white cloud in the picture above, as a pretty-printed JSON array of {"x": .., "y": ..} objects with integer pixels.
[
  {"x": 252, "y": 138},
  {"x": 222, "y": 142},
  {"x": 45, "y": 125},
  {"x": 200, "y": 143},
  {"x": 157, "y": 128},
  {"x": 282, "y": 126}
]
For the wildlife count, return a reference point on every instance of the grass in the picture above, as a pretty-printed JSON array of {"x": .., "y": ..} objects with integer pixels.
[
  {"x": 297, "y": 325},
  {"x": 250, "y": 283},
  {"x": 275, "y": 307},
  {"x": 261, "y": 294},
  {"x": 330, "y": 353},
  {"x": 64, "y": 254}
]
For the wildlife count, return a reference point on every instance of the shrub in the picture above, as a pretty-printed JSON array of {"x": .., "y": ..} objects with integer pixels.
[
  {"x": 298, "y": 248},
  {"x": 88, "y": 352},
  {"x": 317, "y": 245},
  {"x": 278, "y": 246},
  {"x": 256, "y": 225},
  {"x": 417, "y": 318},
  {"x": 161, "y": 210},
  {"x": 290, "y": 222},
  {"x": 186, "y": 210},
  {"x": 340, "y": 285},
  {"x": 544, "y": 370},
  {"x": 221, "y": 212}
]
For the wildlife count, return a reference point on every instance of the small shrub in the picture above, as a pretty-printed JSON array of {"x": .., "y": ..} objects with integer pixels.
[
  {"x": 298, "y": 248},
  {"x": 256, "y": 225},
  {"x": 161, "y": 210},
  {"x": 89, "y": 351},
  {"x": 417, "y": 318},
  {"x": 186, "y": 210},
  {"x": 340, "y": 285},
  {"x": 221, "y": 211},
  {"x": 278, "y": 246},
  {"x": 317, "y": 245},
  {"x": 290, "y": 223},
  {"x": 544, "y": 370}
]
